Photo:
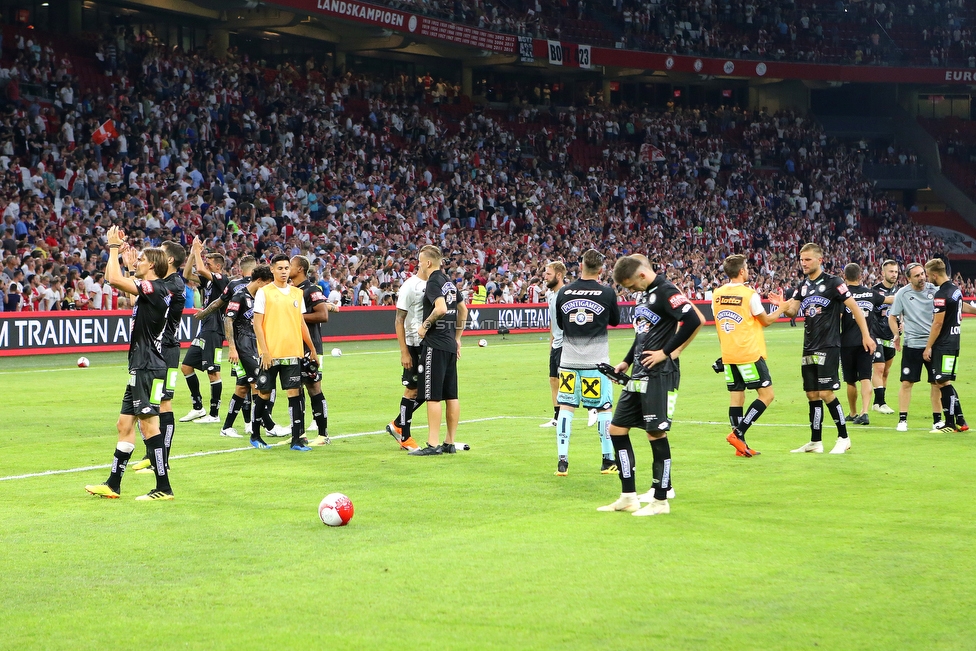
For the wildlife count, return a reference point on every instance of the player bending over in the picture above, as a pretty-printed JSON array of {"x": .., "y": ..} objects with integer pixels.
[
  {"x": 664, "y": 323},
  {"x": 243, "y": 347}
]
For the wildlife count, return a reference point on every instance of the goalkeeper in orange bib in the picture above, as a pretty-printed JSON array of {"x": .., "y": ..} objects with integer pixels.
[{"x": 740, "y": 319}]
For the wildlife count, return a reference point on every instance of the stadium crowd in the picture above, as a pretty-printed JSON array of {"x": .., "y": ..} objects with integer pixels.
[
  {"x": 929, "y": 32},
  {"x": 359, "y": 171}
]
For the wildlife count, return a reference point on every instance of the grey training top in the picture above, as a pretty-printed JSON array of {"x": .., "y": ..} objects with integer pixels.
[
  {"x": 557, "y": 332},
  {"x": 915, "y": 310}
]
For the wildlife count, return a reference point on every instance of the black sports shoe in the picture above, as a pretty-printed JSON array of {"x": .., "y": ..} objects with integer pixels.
[
  {"x": 609, "y": 467},
  {"x": 447, "y": 448},
  {"x": 426, "y": 451},
  {"x": 562, "y": 468}
]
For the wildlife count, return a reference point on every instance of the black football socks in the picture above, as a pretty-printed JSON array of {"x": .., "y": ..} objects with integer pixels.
[
  {"x": 167, "y": 426},
  {"x": 405, "y": 417},
  {"x": 193, "y": 384},
  {"x": 661, "y": 467},
  {"x": 158, "y": 455},
  {"x": 320, "y": 412},
  {"x": 735, "y": 416},
  {"x": 755, "y": 410},
  {"x": 258, "y": 417},
  {"x": 958, "y": 406},
  {"x": 624, "y": 450},
  {"x": 123, "y": 452},
  {"x": 236, "y": 403},
  {"x": 816, "y": 420},
  {"x": 837, "y": 413},
  {"x": 948, "y": 405},
  {"x": 246, "y": 408},
  {"x": 879, "y": 395},
  {"x": 215, "y": 389},
  {"x": 296, "y": 411}
]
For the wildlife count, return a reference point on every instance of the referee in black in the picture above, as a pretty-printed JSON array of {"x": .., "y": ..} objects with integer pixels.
[
  {"x": 440, "y": 348},
  {"x": 665, "y": 321}
]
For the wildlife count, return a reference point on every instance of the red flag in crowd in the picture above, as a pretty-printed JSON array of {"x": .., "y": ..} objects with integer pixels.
[
  {"x": 104, "y": 132},
  {"x": 651, "y": 154}
]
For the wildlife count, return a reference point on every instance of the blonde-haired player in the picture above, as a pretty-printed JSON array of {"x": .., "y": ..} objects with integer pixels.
[{"x": 555, "y": 278}]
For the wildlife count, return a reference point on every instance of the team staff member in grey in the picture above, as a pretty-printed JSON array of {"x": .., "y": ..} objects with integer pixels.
[
  {"x": 913, "y": 303},
  {"x": 555, "y": 277}
]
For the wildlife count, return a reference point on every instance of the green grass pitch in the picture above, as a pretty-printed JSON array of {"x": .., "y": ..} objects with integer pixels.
[{"x": 486, "y": 549}]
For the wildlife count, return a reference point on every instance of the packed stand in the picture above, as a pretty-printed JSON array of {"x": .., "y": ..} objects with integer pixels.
[
  {"x": 955, "y": 139},
  {"x": 358, "y": 172},
  {"x": 880, "y": 32}
]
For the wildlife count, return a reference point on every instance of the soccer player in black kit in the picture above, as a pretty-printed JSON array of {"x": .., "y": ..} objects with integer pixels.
[
  {"x": 175, "y": 257},
  {"x": 147, "y": 366},
  {"x": 855, "y": 362},
  {"x": 246, "y": 265},
  {"x": 243, "y": 346},
  {"x": 440, "y": 348},
  {"x": 942, "y": 348},
  {"x": 316, "y": 313},
  {"x": 884, "y": 354},
  {"x": 205, "y": 351},
  {"x": 820, "y": 299},
  {"x": 665, "y": 321}
]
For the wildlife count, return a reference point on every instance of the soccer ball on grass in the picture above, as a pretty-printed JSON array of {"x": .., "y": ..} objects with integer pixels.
[
  {"x": 335, "y": 510},
  {"x": 83, "y": 362},
  {"x": 482, "y": 343}
]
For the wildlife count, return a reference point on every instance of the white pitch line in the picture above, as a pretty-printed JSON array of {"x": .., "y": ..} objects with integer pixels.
[
  {"x": 361, "y": 352},
  {"x": 208, "y": 453},
  {"x": 53, "y": 370},
  {"x": 726, "y": 423},
  {"x": 850, "y": 427}
]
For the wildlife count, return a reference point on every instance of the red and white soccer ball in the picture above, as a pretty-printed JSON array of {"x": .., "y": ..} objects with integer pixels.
[
  {"x": 482, "y": 342},
  {"x": 335, "y": 510},
  {"x": 83, "y": 362}
]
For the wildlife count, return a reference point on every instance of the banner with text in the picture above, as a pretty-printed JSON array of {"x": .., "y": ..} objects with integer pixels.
[
  {"x": 401, "y": 21},
  {"x": 34, "y": 333},
  {"x": 569, "y": 54},
  {"x": 565, "y": 53}
]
